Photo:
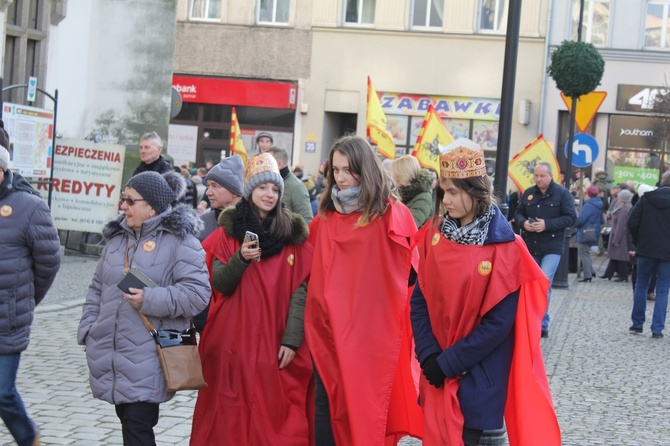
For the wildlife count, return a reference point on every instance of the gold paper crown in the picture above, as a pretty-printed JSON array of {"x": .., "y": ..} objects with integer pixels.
[
  {"x": 260, "y": 163},
  {"x": 462, "y": 159}
]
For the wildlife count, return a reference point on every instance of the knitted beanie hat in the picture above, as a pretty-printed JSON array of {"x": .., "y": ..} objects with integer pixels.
[
  {"x": 154, "y": 189},
  {"x": 229, "y": 173},
  {"x": 625, "y": 196},
  {"x": 4, "y": 159},
  {"x": 592, "y": 191},
  {"x": 264, "y": 135},
  {"x": 259, "y": 170}
]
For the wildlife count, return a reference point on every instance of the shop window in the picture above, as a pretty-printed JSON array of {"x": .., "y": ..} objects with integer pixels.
[
  {"x": 205, "y": 9},
  {"x": 273, "y": 11},
  {"x": 657, "y": 25},
  {"x": 636, "y": 166},
  {"x": 492, "y": 16},
  {"x": 360, "y": 12},
  {"x": 595, "y": 21},
  {"x": 427, "y": 13}
]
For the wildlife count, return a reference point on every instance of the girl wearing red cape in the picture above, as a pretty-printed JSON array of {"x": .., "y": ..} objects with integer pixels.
[
  {"x": 356, "y": 318},
  {"x": 255, "y": 365},
  {"x": 476, "y": 312}
]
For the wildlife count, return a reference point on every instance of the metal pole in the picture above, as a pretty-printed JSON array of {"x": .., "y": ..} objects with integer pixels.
[
  {"x": 507, "y": 102},
  {"x": 561, "y": 276},
  {"x": 53, "y": 147}
]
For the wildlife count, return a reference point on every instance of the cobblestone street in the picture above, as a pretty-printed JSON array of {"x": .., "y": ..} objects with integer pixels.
[{"x": 609, "y": 387}]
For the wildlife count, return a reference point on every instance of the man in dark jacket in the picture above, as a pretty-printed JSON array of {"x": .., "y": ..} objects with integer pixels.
[
  {"x": 649, "y": 225},
  {"x": 544, "y": 212},
  {"x": 296, "y": 196},
  {"x": 29, "y": 261},
  {"x": 151, "y": 147}
]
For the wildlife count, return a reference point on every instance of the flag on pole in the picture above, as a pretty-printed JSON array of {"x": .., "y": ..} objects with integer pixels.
[
  {"x": 522, "y": 166},
  {"x": 236, "y": 143},
  {"x": 433, "y": 135},
  {"x": 376, "y": 125}
]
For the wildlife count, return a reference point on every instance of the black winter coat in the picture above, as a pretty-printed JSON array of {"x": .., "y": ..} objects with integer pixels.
[
  {"x": 649, "y": 224},
  {"x": 557, "y": 208}
]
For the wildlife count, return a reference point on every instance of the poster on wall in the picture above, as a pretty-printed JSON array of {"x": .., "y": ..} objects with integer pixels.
[
  {"x": 31, "y": 134},
  {"x": 86, "y": 184},
  {"x": 182, "y": 143}
]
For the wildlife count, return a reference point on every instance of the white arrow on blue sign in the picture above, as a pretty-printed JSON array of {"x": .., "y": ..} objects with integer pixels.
[{"x": 584, "y": 150}]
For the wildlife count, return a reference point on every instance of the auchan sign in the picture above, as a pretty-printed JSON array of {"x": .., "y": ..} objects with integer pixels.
[{"x": 239, "y": 92}]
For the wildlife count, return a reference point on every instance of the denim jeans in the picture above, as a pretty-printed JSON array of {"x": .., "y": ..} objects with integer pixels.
[
  {"x": 549, "y": 264},
  {"x": 12, "y": 410},
  {"x": 645, "y": 269}
]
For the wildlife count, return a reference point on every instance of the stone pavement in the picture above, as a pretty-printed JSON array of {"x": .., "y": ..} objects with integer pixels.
[{"x": 609, "y": 387}]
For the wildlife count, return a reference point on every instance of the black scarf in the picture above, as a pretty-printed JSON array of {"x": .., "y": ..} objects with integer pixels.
[{"x": 246, "y": 220}]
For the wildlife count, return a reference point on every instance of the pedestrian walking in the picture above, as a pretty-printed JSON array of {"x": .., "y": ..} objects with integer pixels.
[
  {"x": 619, "y": 241},
  {"x": 158, "y": 240},
  {"x": 588, "y": 226},
  {"x": 29, "y": 260},
  {"x": 649, "y": 225},
  {"x": 545, "y": 211},
  {"x": 254, "y": 362},
  {"x": 356, "y": 322}
]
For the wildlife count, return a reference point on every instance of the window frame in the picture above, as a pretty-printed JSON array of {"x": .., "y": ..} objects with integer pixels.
[
  {"x": 500, "y": 10},
  {"x": 274, "y": 14},
  {"x": 664, "y": 41},
  {"x": 426, "y": 26},
  {"x": 589, "y": 11},
  {"x": 360, "y": 14},
  {"x": 207, "y": 3}
]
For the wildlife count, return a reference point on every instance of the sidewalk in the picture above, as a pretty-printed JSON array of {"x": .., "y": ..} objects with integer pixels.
[{"x": 609, "y": 387}]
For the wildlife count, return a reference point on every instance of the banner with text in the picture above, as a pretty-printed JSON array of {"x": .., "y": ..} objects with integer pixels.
[
  {"x": 86, "y": 184},
  {"x": 182, "y": 143},
  {"x": 446, "y": 106},
  {"x": 31, "y": 134}
]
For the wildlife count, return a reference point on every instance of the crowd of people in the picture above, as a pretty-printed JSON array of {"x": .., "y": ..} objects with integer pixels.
[{"x": 357, "y": 307}]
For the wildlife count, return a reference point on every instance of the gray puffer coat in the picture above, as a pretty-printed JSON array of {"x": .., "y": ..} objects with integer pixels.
[
  {"x": 122, "y": 359},
  {"x": 29, "y": 259}
]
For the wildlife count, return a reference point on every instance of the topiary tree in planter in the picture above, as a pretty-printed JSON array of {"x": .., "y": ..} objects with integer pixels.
[{"x": 576, "y": 67}]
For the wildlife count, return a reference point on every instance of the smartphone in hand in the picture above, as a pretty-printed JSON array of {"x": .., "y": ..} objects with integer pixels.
[{"x": 250, "y": 236}]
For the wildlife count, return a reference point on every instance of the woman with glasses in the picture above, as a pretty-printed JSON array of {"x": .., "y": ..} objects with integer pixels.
[
  {"x": 159, "y": 240},
  {"x": 254, "y": 361},
  {"x": 356, "y": 320}
]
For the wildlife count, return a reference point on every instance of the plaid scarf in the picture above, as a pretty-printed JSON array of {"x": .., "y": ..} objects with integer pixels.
[{"x": 474, "y": 233}]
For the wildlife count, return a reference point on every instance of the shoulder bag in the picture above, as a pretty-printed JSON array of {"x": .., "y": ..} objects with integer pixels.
[
  {"x": 589, "y": 235},
  {"x": 179, "y": 356}
]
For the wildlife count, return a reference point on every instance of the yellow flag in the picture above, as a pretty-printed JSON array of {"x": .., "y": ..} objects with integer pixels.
[
  {"x": 236, "y": 143},
  {"x": 522, "y": 166},
  {"x": 433, "y": 134},
  {"x": 376, "y": 125}
]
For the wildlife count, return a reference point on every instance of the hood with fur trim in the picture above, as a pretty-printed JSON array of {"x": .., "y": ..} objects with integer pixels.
[
  {"x": 298, "y": 237},
  {"x": 180, "y": 220},
  {"x": 418, "y": 184}
]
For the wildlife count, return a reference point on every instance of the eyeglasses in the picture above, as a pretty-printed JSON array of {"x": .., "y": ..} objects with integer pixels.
[{"x": 131, "y": 201}]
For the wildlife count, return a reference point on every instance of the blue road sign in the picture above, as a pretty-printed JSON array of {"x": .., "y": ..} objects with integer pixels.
[{"x": 584, "y": 150}]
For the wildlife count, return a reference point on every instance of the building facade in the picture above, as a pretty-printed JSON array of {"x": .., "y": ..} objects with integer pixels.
[
  {"x": 448, "y": 53},
  {"x": 631, "y": 135}
]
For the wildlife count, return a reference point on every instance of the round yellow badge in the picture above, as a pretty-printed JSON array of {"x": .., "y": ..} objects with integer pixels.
[
  {"x": 436, "y": 238},
  {"x": 149, "y": 246},
  {"x": 530, "y": 197},
  {"x": 6, "y": 211},
  {"x": 485, "y": 268},
  {"x": 290, "y": 259}
]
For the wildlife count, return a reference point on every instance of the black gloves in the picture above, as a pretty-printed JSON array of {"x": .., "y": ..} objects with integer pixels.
[{"x": 432, "y": 371}]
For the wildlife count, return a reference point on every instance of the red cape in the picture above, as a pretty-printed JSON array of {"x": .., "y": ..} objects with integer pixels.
[
  {"x": 357, "y": 325},
  {"x": 480, "y": 277},
  {"x": 248, "y": 400}
]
